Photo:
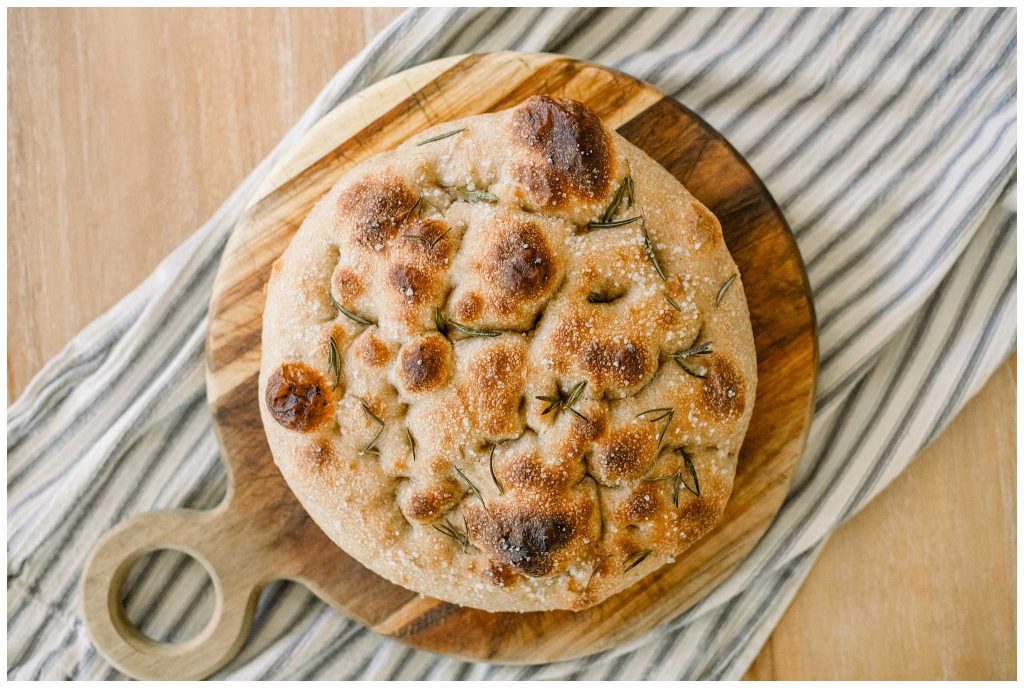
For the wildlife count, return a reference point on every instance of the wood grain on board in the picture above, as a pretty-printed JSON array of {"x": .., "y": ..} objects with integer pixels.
[{"x": 119, "y": 138}]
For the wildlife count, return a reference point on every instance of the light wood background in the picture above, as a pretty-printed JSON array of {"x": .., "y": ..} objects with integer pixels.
[{"x": 126, "y": 129}]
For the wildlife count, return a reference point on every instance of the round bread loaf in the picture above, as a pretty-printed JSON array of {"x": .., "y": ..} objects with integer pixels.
[{"x": 509, "y": 364}]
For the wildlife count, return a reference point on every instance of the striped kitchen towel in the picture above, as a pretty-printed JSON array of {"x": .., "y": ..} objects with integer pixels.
[{"x": 888, "y": 138}]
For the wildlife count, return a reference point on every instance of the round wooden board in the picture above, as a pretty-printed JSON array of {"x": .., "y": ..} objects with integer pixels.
[{"x": 261, "y": 533}]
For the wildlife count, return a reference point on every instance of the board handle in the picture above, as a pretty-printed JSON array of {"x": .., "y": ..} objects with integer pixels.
[{"x": 127, "y": 648}]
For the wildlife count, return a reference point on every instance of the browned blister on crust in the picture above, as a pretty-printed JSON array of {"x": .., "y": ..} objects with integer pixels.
[
  {"x": 297, "y": 397},
  {"x": 484, "y": 390}
]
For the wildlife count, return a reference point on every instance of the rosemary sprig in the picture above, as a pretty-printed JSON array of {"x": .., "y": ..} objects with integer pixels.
[
  {"x": 558, "y": 403},
  {"x": 672, "y": 302},
  {"x": 372, "y": 446},
  {"x": 692, "y": 470},
  {"x": 625, "y": 189},
  {"x": 412, "y": 443},
  {"x": 723, "y": 289},
  {"x": 454, "y": 533},
  {"x": 676, "y": 478},
  {"x": 691, "y": 369},
  {"x": 613, "y": 223},
  {"x": 334, "y": 360},
  {"x": 635, "y": 559},
  {"x": 701, "y": 349},
  {"x": 349, "y": 314},
  {"x": 649, "y": 248},
  {"x": 472, "y": 487},
  {"x": 681, "y": 359},
  {"x": 665, "y": 414},
  {"x": 442, "y": 326},
  {"x": 440, "y": 136},
  {"x": 490, "y": 465},
  {"x": 415, "y": 208},
  {"x": 471, "y": 194},
  {"x": 430, "y": 243}
]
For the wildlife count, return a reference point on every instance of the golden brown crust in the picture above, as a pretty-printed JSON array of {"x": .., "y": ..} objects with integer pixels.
[{"x": 485, "y": 398}]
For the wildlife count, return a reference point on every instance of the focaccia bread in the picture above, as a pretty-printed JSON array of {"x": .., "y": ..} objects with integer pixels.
[{"x": 509, "y": 364}]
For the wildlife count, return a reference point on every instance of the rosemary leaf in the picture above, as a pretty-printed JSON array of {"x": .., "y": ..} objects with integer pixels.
[
  {"x": 673, "y": 303},
  {"x": 625, "y": 189},
  {"x": 553, "y": 403},
  {"x": 454, "y": 533},
  {"x": 412, "y": 443},
  {"x": 723, "y": 289},
  {"x": 442, "y": 324},
  {"x": 349, "y": 314},
  {"x": 666, "y": 414},
  {"x": 472, "y": 194},
  {"x": 649, "y": 247},
  {"x": 380, "y": 431},
  {"x": 701, "y": 349},
  {"x": 490, "y": 464},
  {"x": 578, "y": 415},
  {"x": 676, "y": 478},
  {"x": 630, "y": 190},
  {"x": 594, "y": 297},
  {"x": 440, "y": 136},
  {"x": 613, "y": 223},
  {"x": 559, "y": 403},
  {"x": 694, "y": 370},
  {"x": 471, "y": 331},
  {"x": 334, "y": 360},
  {"x": 415, "y": 208},
  {"x": 596, "y": 567},
  {"x": 575, "y": 393},
  {"x": 429, "y": 243},
  {"x": 636, "y": 559},
  {"x": 691, "y": 367},
  {"x": 472, "y": 487},
  {"x": 692, "y": 470}
]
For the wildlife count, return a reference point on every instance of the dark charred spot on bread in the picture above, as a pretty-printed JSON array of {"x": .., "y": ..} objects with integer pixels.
[
  {"x": 427, "y": 503},
  {"x": 469, "y": 307},
  {"x": 524, "y": 538},
  {"x": 297, "y": 397},
  {"x": 570, "y": 149},
  {"x": 372, "y": 351},
  {"x": 347, "y": 285},
  {"x": 626, "y": 455},
  {"x": 425, "y": 363},
  {"x": 623, "y": 364},
  {"x": 375, "y": 208},
  {"x": 521, "y": 264},
  {"x": 412, "y": 283},
  {"x": 722, "y": 392}
]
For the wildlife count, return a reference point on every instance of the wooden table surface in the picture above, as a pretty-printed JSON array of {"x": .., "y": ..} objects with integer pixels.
[{"x": 124, "y": 136}]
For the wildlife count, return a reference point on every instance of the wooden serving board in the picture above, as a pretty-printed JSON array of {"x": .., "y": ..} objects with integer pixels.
[{"x": 260, "y": 533}]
